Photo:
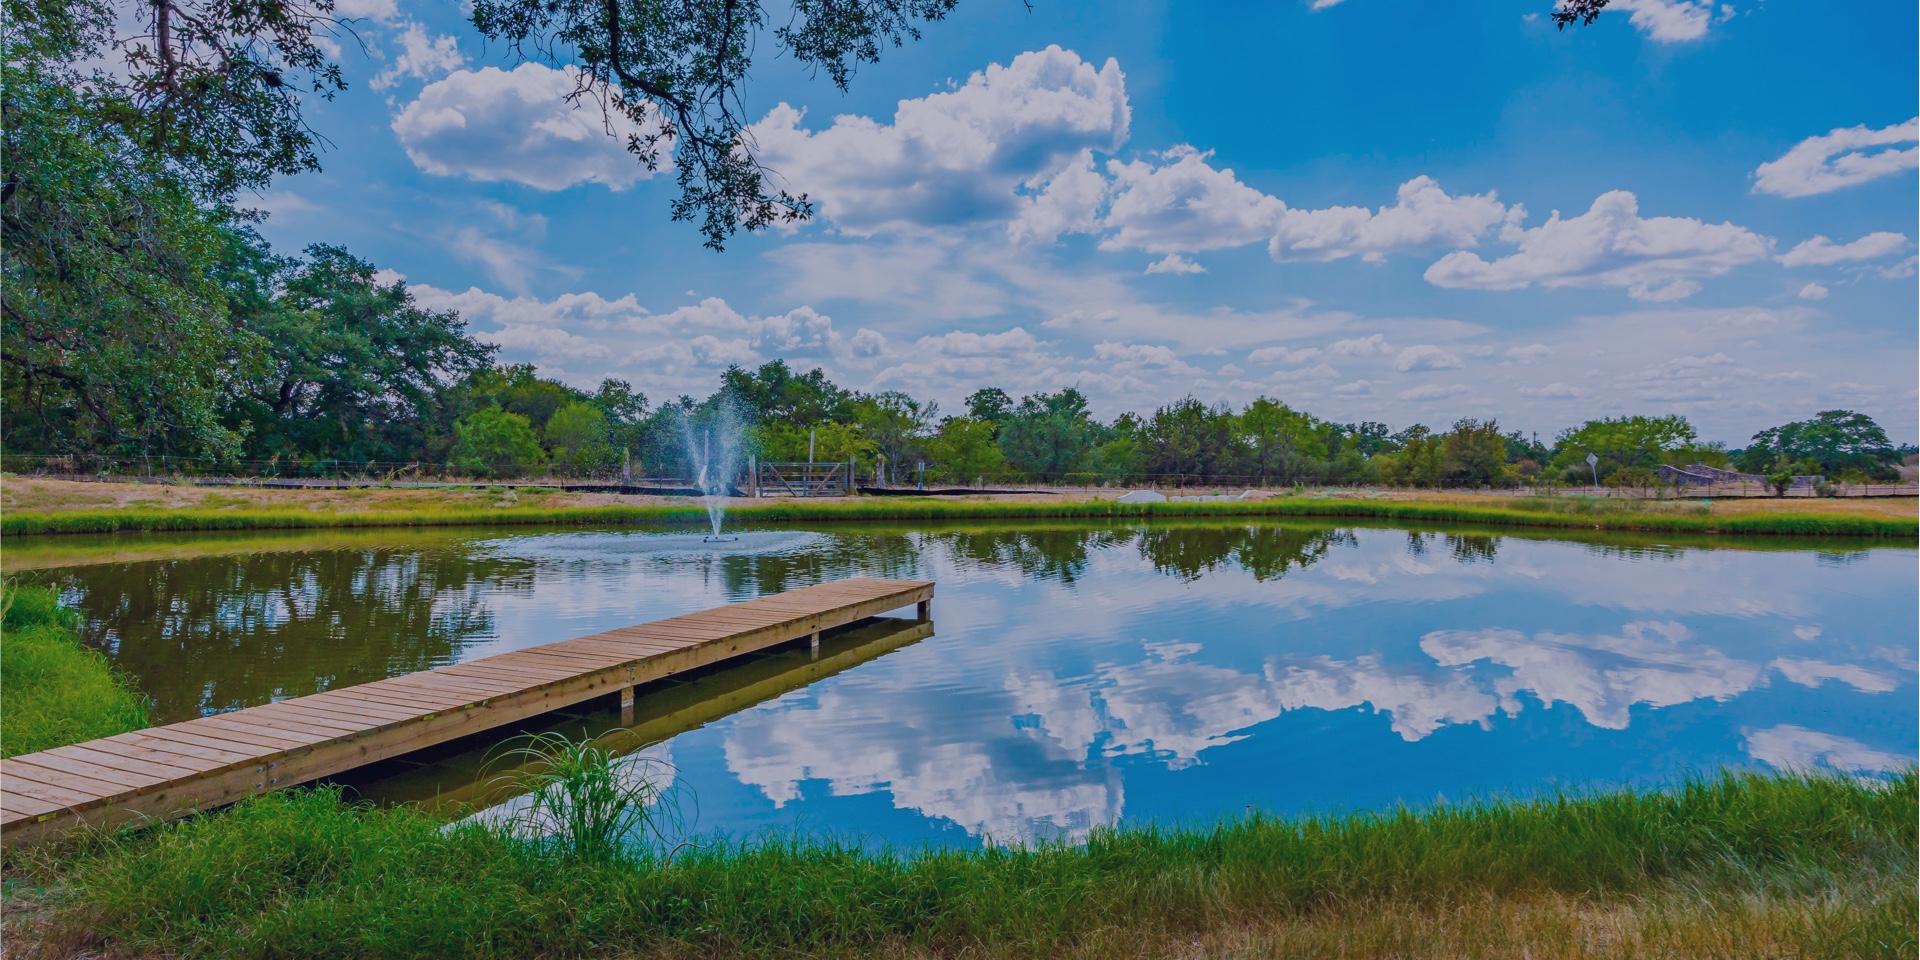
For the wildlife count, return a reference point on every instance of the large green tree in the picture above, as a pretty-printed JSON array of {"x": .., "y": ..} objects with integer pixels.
[
  {"x": 774, "y": 393},
  {"x": 352, "y": 368},
  {"x": 1418, "y": 458},
  {"x": 898, "y": 425},
  {"x": 1283, "y": 443},
  {"x": 1048, "y": 435},
  {"x": 1189, "y": 440},
  {"x": 116, "y": 338},
  {"x": 1474, "y": 453},
  {"x": 1620, "y": 442},
  {"x": 128, "y": 127},
  {"x": 494, "y": 443},
  {"x": 1838, "y": 440},
  {"x": 963, "y": 450}
]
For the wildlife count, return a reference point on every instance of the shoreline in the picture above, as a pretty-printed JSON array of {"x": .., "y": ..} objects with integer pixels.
[{"x": 1540, "y": 512}]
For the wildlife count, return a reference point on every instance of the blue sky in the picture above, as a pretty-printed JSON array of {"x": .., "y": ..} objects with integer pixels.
[{"x": 1370, "y": 209}]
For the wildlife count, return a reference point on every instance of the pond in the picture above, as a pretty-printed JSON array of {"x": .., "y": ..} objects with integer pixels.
[{"x": 1075, "y": 674}]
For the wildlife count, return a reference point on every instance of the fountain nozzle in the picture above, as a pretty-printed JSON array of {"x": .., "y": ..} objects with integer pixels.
[{"x": 717, "y": 539}]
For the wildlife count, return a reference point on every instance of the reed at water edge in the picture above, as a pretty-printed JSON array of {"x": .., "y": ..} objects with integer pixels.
[
  {"x": 1735, "y": 864},
  {"x": 1520, "y": 511}
]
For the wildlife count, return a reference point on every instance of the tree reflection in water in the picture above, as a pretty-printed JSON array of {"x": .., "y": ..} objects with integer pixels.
[
  {"x": 747, "y": 575},
  {"x": 1267, "y": 552},
  {"x": 212, "y": 633},
  {"x": 208, "y": 634},
  {"x": 1055, "y": 553},
  {"x": 1185, "y": 551}
]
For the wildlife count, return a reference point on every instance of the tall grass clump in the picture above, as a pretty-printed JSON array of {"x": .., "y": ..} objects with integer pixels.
[
  {"x": 585, "y": 800},
  {"x": 302, "y": 874},
  {"x": 53, "y": 690}
]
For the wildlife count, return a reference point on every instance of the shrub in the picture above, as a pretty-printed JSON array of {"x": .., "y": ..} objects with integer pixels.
[
  {"x": 493, "y": 442},
  {"x": 577, "y": 436}
]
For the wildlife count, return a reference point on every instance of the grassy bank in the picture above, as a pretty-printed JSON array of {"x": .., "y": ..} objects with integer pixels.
[
  {"x": 1544, "y": 512},
  {"x": 1742, "y": 864},
  {"x": 53, "y": 690}
]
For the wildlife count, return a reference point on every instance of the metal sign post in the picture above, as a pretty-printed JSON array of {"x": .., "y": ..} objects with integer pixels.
[{"x": 1593, "y": 463}]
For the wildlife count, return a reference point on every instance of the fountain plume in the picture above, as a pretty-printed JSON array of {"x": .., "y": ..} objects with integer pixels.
[{"x": 712, "y": 441}]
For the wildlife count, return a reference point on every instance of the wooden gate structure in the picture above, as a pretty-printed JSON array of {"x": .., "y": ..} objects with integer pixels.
[{"x": 802, "y": 480}]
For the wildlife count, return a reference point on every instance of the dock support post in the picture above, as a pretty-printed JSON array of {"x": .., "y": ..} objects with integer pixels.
[
  {"x": 923, "y": 611},
  {"x": 814, "y": 644},
  {"x": 626, "y": 704}
]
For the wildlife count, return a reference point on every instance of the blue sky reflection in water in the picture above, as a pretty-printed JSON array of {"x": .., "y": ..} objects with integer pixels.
[{"x": 1084, "y": 675}]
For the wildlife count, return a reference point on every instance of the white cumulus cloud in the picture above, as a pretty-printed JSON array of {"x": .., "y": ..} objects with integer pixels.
[
  {"x": 954, "y": 157},
  {"x": 1611, "y": 245},
  {"x": 1283, "y": 355},
  {"x": 960, "y": 343},
  {"x": 1813, "y": 291},
  {"x": 1425, "y": 356},
  {"x": 1820, "y": 251},
  {"x": 1174, "y": 263},
  {"x": 494, "y": 125},
  {"x": 1431, "y": 391},
  {"x": 1067, "y": 200},
  {"x": 1531, "y": 353},
  {"x": 1422, "y": 215},
  {"x": 1667, "y": 21},
  {"x": 1554, "y": 391},
  {"x": 1184, "y": 205},
  {"x": 1793, "y": 747},
  {"x": 1372, "y": 345},
  {"x": 422, "y": 57},
  {"x": 1842, "y": 158}
]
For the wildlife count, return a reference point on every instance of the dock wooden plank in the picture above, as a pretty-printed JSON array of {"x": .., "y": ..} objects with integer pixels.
[
  {"x": 176, "y": 736},
  {"x": 243, "y": 737},
  {"x": 323, "y": 704},
  {"x": 42, "y": 790},
  {"x": 287, "y": 713},
  {"x": 164, "y": 772},
  {"x": 137, "y": 741},
  {"x": 270, "y": 730},
  {"x": 347, "y": 721},
  {"x": 83, "y": 767},
  {"x": 437, "y": 682},
  {"x": 56, "y": 772},
  {"x": 420, "y": 703},
  {"x": 124, "y": 760},
  {"x": 21, "y": 805}
]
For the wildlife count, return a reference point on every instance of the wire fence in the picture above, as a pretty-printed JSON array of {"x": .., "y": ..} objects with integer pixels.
[{"x": 336, "y": 473}]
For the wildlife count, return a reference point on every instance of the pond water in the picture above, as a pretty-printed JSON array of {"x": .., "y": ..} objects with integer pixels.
[{"x": 1076, "y": 674}]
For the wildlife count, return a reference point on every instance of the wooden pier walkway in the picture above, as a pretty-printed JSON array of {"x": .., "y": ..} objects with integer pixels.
[{"x": 171, "y": 771}]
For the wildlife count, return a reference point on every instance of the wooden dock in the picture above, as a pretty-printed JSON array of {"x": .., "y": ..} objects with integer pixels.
[{"x": 171, "y": 771}]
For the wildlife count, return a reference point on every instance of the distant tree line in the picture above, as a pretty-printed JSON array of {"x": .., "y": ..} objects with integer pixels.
[{"x": 345, "y": 372}]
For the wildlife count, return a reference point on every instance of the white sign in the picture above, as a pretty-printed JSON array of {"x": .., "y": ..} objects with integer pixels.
[{"x": 1591, "y": 459}]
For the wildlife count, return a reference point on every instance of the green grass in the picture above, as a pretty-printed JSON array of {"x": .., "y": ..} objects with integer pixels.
[
  {"x": 1546, "y": 512},
  {"x": 1797, "y": 865},
  {"x": 53, "y": 690}
]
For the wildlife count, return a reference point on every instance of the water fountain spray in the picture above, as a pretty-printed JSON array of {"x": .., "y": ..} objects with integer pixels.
[{"x": 713, "y": 454}]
